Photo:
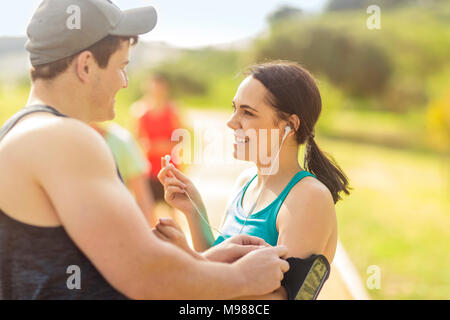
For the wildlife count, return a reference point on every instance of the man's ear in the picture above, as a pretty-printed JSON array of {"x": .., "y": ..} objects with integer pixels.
[{"x": 84, "y": 65}]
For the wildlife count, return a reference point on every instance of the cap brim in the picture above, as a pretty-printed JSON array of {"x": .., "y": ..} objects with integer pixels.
[{"x": 136, "y": 22}]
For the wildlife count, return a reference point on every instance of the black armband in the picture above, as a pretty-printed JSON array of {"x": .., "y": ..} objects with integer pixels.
[{"x": 305, "y": 277}]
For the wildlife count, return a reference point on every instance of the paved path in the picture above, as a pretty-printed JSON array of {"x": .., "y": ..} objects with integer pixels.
[{"x": 215, "y": 181}]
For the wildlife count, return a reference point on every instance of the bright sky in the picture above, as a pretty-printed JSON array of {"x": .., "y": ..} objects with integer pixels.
[{"x": 184, "y": 23}]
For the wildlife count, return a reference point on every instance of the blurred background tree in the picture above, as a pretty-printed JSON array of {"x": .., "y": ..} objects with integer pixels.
[
  {"x": 284, "y": 13},
  {"x": 337, "y": 5}
]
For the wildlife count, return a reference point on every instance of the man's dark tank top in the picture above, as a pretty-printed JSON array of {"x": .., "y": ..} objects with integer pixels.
[{"x": 44, "y": 262}]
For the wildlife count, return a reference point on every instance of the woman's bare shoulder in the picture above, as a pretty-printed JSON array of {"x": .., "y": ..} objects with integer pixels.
[
  {"x": 241, "y": 180},
  {"x": 245, "y": 176},
  {"x": 307, "y": 220},
  {"x": 312, "y": 188},
  {"x": 309, "y": 197}
]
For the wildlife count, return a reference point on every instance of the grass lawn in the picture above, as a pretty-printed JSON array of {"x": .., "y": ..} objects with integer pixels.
[{"x": 397, "y": 218}]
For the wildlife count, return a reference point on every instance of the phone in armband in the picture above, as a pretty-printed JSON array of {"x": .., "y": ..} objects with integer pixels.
[{"x": 306, "y": 277}]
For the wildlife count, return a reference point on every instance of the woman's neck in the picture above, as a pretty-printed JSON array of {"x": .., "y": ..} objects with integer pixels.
[{"x": 283, "y": 168}]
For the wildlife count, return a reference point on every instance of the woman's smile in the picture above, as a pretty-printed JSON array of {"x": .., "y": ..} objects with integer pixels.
[{"x": 240, "y": 139}]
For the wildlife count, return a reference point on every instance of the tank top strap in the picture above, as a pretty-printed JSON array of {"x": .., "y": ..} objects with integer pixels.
[
  {"x": 298, "y": 176},
  {"x": 32, "y": 109},
  {"x": 24, "y": 112},
  {"x": 247, "y": 185},
  {"x": 282, "y": 196}
]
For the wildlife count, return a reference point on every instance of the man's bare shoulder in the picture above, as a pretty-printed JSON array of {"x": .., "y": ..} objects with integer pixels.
[
  {"x": 59, "y": 131},
  {"x": 45, "y": 140}
]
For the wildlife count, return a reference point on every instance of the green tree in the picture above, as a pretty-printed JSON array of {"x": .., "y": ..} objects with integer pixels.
[
  {"x": 356, "y": 65},
  {"x": 337, "y": 5},
  {"x": 283, "y": 13}
]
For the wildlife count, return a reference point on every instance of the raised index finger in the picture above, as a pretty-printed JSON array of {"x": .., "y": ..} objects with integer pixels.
[{"x": 165, "y": 172}]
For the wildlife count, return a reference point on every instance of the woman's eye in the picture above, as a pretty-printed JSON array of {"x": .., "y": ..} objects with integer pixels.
[{"x": 245, "y": 111}]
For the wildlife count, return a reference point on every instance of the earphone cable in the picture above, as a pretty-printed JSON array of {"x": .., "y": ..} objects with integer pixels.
[{"x": 201, "y": 216}]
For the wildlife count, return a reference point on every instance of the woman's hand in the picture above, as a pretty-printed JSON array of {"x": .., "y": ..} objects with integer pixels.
[
  {"x": 176, "y": 184},
  {"x": 168, "y": 230}
]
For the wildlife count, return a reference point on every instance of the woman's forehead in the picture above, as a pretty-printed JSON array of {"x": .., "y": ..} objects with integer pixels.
[{"x": 251, "y": 92}]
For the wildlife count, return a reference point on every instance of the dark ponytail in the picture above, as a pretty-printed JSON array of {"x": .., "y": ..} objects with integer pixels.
[
  {"x": 325, "y": 168},
  {"x": 293, "y": 90}
]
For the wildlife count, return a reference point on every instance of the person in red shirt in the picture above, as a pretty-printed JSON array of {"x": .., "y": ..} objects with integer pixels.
[{"x": 156, "y": 118}]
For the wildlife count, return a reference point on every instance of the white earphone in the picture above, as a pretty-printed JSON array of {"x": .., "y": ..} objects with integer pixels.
[
  {"x": 287, "y": 129},
  {"x": 167, "y": 158}
]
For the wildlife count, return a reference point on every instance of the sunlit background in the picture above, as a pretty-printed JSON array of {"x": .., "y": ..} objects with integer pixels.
[{"x": 386, "y": 114}]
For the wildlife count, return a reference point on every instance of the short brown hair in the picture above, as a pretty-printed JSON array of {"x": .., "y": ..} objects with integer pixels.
[{"x": 102, "y": 51}]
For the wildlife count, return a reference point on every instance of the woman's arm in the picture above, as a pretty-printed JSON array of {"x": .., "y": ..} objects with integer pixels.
[
  {"x": 307, "y": 220},
  {"x": 201, "y": 233},
  {"x": 305, "y": 224},
  {"x": 202, "y": 236},
  {"x": 176, "y": 186}
]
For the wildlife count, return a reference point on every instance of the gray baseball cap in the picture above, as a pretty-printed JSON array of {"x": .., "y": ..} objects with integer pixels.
[{"x": 62, "y": 28}]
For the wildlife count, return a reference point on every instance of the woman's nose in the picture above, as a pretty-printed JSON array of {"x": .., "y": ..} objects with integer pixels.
[{"x": 233, "y": 123}]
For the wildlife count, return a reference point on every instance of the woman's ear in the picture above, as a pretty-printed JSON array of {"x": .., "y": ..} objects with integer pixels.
[{"x": 294, "y": 122}]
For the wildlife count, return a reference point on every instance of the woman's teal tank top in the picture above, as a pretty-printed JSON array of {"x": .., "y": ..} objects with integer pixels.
[{"x": 261, "y": 224}]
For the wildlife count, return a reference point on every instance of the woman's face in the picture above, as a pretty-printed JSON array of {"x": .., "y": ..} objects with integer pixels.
[{"x": 257, "y": 137}]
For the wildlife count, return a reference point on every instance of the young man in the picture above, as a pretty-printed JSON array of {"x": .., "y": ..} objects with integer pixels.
[{"x": 69, "y": 229}]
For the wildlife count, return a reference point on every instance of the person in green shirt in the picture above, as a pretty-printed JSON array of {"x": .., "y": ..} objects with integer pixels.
[{"x": 132, "y": 165}]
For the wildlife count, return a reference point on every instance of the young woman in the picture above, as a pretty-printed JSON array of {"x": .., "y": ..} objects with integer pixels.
[{"x": 294, "y": 204}]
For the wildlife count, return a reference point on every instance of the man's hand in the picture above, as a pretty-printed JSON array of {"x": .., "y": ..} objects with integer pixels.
[
  {"x": 234, "y": 248},
  {"x": 263, "y": 270}
]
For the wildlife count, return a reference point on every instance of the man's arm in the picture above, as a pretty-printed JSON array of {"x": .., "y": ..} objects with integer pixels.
[
  {"x": 78, "y": 173},
  {"x": 144, "y": 197}
]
